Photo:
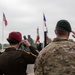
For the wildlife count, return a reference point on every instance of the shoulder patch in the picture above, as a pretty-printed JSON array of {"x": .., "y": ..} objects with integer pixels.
[{"x": 27, "y": 52}]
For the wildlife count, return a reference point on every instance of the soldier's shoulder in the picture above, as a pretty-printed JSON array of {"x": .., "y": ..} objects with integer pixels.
[{"x": 57, "y": 47}]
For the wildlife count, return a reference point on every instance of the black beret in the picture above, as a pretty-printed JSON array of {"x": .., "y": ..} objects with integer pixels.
[{"x": 64, "y": 24}]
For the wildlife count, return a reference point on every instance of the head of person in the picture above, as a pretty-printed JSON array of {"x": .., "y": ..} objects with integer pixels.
[
  {"x": 14, "y": 38},
  {"x": 29, "y": 36},
  {"x": 63, "y": 29}
]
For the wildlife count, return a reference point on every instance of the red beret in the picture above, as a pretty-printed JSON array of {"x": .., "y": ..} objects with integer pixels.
[{"x": 16, "y": 35}]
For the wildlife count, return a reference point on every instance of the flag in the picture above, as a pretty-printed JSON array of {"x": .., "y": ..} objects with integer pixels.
[
  {"x": 38, "y": 37},
  {"x": 45, "y": 27},
  {"x": 44, "y": 21},
  {"x": 5, "y": 20}
]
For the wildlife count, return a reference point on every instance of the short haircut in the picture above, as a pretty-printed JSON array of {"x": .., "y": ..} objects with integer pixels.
[
  {"x": 61, "y": 31},
  {"x": 12, "y": 41}
]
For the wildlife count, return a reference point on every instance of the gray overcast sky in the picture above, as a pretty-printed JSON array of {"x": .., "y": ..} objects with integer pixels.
[{"x": 25, "y": 15}]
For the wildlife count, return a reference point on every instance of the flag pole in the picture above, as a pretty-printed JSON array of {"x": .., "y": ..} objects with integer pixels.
[
  {"x": 43, "y": 29},
  {"x": 2, "y": 33},
  {"x": 4, "y": 21}
]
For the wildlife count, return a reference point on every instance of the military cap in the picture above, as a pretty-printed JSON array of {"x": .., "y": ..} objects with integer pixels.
[
  {"x": 15, "y": 35},
  {"x": 64, "y": 24}
]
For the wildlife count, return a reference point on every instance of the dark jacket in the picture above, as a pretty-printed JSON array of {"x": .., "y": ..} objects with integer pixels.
[{"x": 14, "y": 62}]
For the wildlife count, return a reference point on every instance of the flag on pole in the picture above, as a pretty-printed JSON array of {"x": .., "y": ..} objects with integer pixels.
[
  {"x": 45, "y": 27},
  {"x": 5, "y": 20},
  {"x": 38, "y": 37},
  {"x": 44, "y": 21}
]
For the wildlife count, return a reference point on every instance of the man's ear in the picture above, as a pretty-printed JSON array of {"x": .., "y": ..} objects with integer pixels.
[{"x": 68, "y": 34}]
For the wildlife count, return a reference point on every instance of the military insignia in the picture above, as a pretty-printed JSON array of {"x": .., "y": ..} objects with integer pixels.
[{"x": 27, "y": 52}]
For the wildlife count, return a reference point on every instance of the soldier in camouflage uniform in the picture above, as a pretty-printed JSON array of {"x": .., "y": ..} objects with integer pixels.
[{"x": 57, "y": 58}]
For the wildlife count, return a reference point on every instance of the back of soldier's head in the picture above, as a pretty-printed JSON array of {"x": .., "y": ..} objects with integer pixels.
[
  {"x": 62, "y": 27},
  {"x": 14, "y": 38}
]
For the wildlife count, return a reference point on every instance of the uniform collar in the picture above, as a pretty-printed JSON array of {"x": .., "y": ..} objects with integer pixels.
[
  {"x": 10, "y": 49},
  {"x": 59, "y": 39}
]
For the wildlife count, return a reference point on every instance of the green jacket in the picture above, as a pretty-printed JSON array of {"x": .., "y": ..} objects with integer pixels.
[{"x": 57, "y": 58}]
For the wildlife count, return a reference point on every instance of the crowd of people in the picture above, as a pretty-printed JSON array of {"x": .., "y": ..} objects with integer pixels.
[{"x": 57, "y": 58}]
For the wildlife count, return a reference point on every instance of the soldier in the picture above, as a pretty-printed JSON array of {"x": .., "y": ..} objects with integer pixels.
[
  {"x": 14, "y": 61},
  {"x": 57, "y": 58},
  {"x": 30, "y": 40}
]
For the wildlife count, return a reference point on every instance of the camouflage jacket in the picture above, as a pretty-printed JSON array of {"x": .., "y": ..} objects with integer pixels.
[{"x": 57, "y": 58}]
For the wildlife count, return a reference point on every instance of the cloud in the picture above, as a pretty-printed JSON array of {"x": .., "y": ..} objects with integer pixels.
[{"x": 26, "y": 15}]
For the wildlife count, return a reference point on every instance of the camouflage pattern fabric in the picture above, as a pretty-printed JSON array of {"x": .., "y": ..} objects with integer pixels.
[{"x": 57, "y": 58}]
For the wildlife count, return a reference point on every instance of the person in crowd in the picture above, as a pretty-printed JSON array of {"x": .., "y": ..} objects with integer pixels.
[
  {"x": 22, "y": 46},
  {"x": 39, "y": 46},
  {"x": 31, "y": 41},
  {"x": 57, "y": 58},
  {"x": 14, "y": 61}
]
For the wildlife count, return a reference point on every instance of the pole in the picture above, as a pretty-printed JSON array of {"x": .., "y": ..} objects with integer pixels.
[
  {"x": 43, "y": 34},
  {"x": 2, "y": 33},
  {"x": 45, "y": 43}
]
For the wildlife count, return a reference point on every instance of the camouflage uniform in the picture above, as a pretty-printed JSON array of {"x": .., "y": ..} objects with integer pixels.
[{"x": 57, "y": 58}]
